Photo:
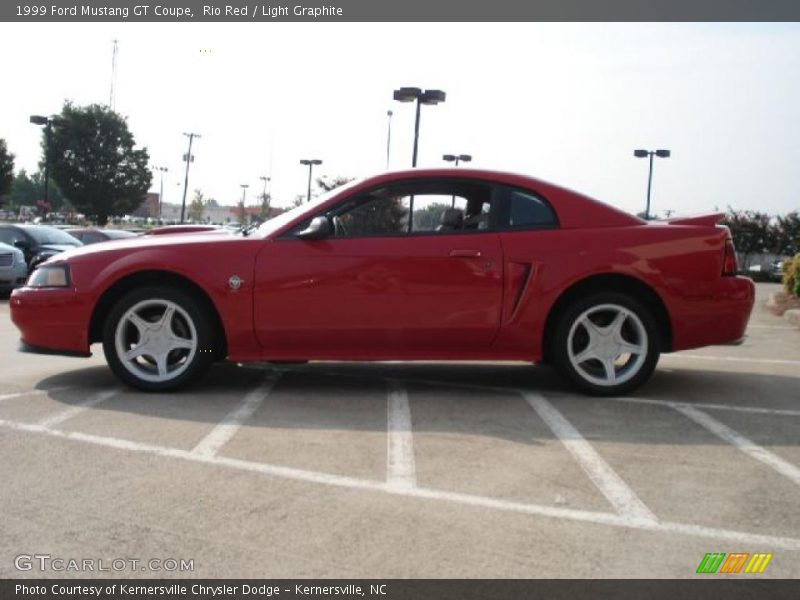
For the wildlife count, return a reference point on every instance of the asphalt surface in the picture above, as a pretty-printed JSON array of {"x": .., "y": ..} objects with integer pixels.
[{"x": 404, "y": 470}]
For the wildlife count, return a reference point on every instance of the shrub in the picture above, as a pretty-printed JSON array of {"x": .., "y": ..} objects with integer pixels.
[{"x": 791, "y": 275}]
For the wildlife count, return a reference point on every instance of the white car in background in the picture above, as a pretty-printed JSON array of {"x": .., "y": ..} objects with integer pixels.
[{"x": 13, "y": 268}]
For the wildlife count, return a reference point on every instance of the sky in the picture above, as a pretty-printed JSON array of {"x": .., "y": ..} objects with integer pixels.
[{"x": 567, "y": 103}]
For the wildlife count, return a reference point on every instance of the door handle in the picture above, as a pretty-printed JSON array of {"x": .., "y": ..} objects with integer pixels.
[{"x": 465, "y": 253}]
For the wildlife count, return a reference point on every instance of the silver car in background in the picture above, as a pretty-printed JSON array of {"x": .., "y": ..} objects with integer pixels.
[{"x": 13, "y": 268}]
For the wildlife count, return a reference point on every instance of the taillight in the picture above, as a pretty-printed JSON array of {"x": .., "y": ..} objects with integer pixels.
[{"x": 729, "y": 259}]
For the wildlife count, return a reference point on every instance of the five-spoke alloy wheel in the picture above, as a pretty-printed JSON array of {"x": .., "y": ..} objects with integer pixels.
[
  {"x": 157, "y": 339},
  {"x": 607, "y": 344}
]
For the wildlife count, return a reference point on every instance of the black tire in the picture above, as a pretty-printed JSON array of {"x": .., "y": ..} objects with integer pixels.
[
  {"x": 586, "y": 374},
  {"x": 188, "y": 366}
]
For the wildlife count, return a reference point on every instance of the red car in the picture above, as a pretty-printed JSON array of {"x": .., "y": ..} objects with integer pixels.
[{"x": 417, "y": 265}]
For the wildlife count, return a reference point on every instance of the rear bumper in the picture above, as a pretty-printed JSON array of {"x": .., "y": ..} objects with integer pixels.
[
  {"x": 51, "y": 320},
  {"x": 720, "y": 317}
]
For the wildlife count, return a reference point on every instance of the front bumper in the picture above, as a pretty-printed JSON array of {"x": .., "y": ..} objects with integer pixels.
[
  {"x": 14, "y": 275},
  {"x": 51, "y": 319}
]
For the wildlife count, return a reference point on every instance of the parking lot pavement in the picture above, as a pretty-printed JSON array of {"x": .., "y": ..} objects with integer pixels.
[{"x": 406, "y": 470}]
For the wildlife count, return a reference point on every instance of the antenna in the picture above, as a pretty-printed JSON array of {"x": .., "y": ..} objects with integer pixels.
[{"x": 113, "y": 76}]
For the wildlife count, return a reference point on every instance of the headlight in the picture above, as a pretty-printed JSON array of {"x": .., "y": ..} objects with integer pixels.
[{"x": 49, "y": 276}]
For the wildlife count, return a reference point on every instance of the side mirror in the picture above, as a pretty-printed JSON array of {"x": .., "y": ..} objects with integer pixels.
[
  {"x": 22, "y": 245},
  {"x": 318, "y": 229}
]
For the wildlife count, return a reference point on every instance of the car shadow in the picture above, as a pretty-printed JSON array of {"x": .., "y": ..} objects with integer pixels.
[{"x": 472, "y": 399}]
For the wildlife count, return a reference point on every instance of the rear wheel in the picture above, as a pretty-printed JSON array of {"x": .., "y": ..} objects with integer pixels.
[
  {"x": 606, "y": 344},
  {"x": 158, "y": 339}
]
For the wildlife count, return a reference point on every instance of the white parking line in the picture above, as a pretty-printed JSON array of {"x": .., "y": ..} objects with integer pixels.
[
  {"x": 400, "y": 467},
  {"x": 512, "y": 390},
  {"x": 289, "y": 473},
  {"x": 622, "y": 498},
  {"x": 742, "y": 359},
  {"x": 747, "y": 446},
  {"x": 784, "y": 327},
  {"x": 17, "y": 395},
  {"x": 77, "y": 409},
  {"x": 227, "y": 428},
  {"x": 746, "y": 409}
]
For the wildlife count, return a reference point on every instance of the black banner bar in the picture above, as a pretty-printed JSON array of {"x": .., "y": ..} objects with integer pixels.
[
  {"x": 186, "y": 11},
  {"x": 729, "y": 588}
]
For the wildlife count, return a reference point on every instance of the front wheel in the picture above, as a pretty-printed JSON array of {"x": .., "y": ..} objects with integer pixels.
[
  {"x": 606, "y": 344},
  {"x": 157, "y": 339}
]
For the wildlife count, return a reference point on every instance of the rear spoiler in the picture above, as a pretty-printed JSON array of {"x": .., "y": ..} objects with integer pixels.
[{"x": 699, "y": 221}]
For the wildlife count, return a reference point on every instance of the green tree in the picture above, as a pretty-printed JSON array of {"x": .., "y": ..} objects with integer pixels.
[
  {"x": 379, "y": 215},
  {"x": 93, "y": 160},
  {"x": 6, "y": 169},
  {"x": 27, "y": 191},
  {"x": 788, "y": 234},
  {"x": 326, "y": 183},
  {"x": 23, "y": 191},
  {"x": 428, "y": 217},
  {"x": 752, "y": 232},
  {"x": 197, "y": 207}
]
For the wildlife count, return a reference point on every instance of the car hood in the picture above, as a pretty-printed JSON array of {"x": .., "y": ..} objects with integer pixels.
[
  {"x": 146, "y": 242},
  {"x": 55, "y": 247}
]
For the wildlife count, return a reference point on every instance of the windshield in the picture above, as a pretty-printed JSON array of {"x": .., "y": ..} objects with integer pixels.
[
  {"x": 50, "y": 235},
  {"x": 275, "y": 223}
]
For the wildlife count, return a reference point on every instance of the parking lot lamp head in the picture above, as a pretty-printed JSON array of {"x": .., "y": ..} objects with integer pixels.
[{"x": 457, "y": 158}]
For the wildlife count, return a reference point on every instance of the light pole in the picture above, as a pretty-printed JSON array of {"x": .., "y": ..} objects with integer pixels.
[
  {"x": 244, "y": 187},
  {"x": 188, "y": 158},
  {"x": 388, "y": 137},
  {"x": 409, "y": 94},
  {"x": 161, "y": 193},
  {"x": 457, "y": 158},
  {"x": 650, "y": 153},
  {"x": 48, "y": 123},
  {"x": 265, "y": 179},
  {"x": 310, "y": 163}
]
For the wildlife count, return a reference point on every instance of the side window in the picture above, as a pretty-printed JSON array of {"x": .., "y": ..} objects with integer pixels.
[
  {"x": 415, "y": 207},
  {"x": 527, "y": 210},
  {"x": 374, "y": 217},
  {"x": 9, "y": 236},
  {"x": 434, "y": 212}
]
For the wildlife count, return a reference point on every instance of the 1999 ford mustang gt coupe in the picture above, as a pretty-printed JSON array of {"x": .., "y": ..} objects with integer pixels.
[{"x": 417, "y": 265}]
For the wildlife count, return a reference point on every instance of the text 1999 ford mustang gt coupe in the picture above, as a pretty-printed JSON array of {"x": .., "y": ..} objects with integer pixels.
[{"x": 425, "y": 264}]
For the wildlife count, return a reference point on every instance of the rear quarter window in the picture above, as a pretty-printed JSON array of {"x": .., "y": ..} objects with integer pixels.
[{"x": 527, "y": 210}]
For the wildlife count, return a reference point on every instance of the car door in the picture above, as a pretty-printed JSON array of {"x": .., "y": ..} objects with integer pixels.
[{"x": 406, "y": 272}]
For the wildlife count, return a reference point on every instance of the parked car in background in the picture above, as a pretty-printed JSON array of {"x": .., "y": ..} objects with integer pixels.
[
  {"x": 13, "y": 268},
  {"x": 776, "y": 270},
  {"x": 37, "y": 242},
  {"x": 89, "y": 235},
  {"x": 427, "y": 264}
]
